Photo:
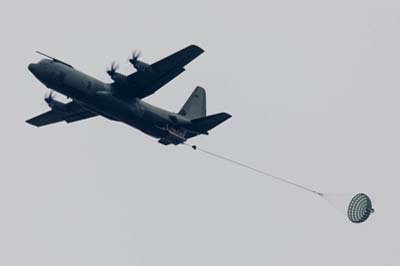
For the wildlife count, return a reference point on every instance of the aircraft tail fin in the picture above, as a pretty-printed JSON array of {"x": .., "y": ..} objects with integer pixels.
[
  {"x": 195, "y": 106},
  {"x": 204, "y": 124}
]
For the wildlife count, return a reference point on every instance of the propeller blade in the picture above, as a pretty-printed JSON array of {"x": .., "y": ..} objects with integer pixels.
[
  {"x": 113, "y": 68},
  {"x": 49, "y": 97},
  {"x": 135, "y": 56}
]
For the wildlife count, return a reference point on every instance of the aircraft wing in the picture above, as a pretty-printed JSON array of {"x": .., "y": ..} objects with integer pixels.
[
  {"x": 76, "y": 112},
  {"x": 145, "y": 83}
]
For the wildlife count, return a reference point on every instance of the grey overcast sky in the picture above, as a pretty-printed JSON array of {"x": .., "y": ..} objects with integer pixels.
[{"x": 313, "y": 87}]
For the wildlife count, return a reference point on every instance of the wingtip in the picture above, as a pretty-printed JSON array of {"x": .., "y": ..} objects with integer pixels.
[
  {"x": 31, "y": 123},
  {"x": 196, "y": 48}
]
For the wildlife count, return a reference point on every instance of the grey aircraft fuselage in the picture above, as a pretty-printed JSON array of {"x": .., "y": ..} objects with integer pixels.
[{"x": 98, "y": 97}]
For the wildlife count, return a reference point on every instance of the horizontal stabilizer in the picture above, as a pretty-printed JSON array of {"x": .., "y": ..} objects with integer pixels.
[{"x": 202, "y": 125}]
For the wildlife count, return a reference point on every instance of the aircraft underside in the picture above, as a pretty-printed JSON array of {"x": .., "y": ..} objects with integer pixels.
[{"x": 122, "y": 100}]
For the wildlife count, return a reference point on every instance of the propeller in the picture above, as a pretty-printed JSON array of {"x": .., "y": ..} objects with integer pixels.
[
  {"x": 113, "y": 68},
  {"x": 49, "y": 97},
  {"x": 135, "y": 56}
]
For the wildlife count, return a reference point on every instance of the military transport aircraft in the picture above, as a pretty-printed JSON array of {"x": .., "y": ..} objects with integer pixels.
[{"x": 121, "y": 100}]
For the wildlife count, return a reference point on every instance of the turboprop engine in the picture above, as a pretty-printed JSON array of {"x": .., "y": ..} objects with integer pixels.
[
  {"x": 139, "y": 65},
  {"x": 55, "y": 105}
]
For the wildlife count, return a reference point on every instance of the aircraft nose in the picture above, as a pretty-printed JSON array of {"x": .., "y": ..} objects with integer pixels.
[{"x": 31, "y": 67}]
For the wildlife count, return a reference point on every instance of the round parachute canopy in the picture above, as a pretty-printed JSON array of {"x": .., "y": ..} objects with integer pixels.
[{"x": 360, "y": 208}]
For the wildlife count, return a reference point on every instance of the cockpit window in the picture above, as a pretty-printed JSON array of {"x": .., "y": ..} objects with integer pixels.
[{"x": 44, "y": 61}]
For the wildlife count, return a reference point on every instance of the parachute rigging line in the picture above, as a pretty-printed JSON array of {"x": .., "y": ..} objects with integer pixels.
[
  {"x": 358, "y": 210},
  {"x": 194, "y": 147}
]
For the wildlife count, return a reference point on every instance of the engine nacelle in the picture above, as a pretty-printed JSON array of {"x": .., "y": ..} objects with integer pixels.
[
  {"x": 57, "y": 106},
  {"x": 142, "y": 66},
  {"x": 118, "y": 78}
]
